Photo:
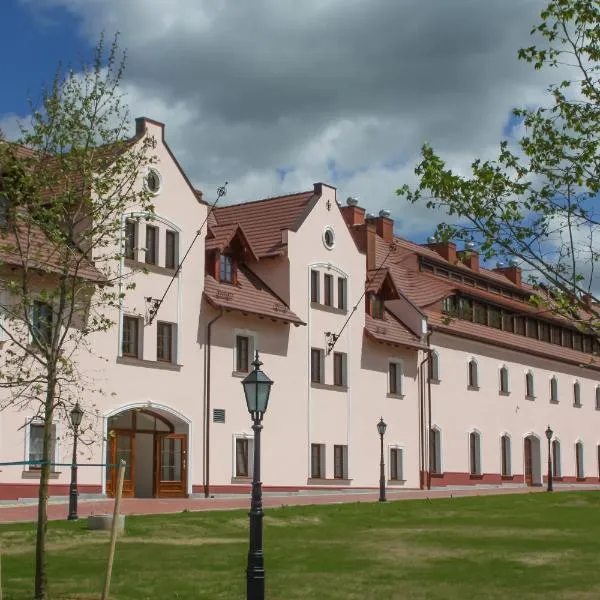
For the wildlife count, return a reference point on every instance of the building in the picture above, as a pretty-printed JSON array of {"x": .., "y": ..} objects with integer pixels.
[{"x": 352, "y": 324}]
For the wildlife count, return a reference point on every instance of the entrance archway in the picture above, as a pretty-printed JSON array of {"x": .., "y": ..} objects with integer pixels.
[
  {"x": 532, "y": 460},
  {"x": 154, "y": 445}
]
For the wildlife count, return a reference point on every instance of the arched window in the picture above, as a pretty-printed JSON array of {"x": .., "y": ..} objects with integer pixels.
[
  {"x": 579, "y": 460},
  {"x": 598, "y": 397},
  {"x": 434, "y": 367},
  {"x": 504, "y": 380},
  {"x": 475, "y": 453},
  {"x": 577, "y": 394},
  {"x": 435, "y": 450},
  {"x": 529, "y": 391},
  {"x": 554, "y": 389},
  {"x": 556, "y": 462},
  {"x": 473, "y": 380},
  {"x": 505, "y": 455}
]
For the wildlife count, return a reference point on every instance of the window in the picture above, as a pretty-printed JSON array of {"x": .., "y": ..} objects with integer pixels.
[
  {"x": 3, "y": 210},
  {"x": 244, "y": 453},
  {"x": 35, "y": 445},
  {"x": 465, "y": 309},
  {"x": 472, "y": 374},
  {"x": 396, "y": 464},
  {"x": 376, "y": 306},
  {"x": 504, "y": 380},
  {"x": 433, "y": 366},
  {"x": 554, "y": 389},
  {"x": 475, "y": 453},
  {"x": 316, "y": 365},
  {"x": 339, "y": 369},
  {"x": 480, "y": 313},
  {"x": 328, "y": 300},
  {"x": 519, "y": 324},
  {"x": 329, "y": 238},
  {"x": 340, "y": 460},
  {"x": 218, "y": 415},
  {"x": 556, "y": 335},
  {"x": 579, "y": 460},
  {"x": 242, "y": 354},
  {"x": 315, "y": 292},
  {"x": 532, "y": 328},
  {"x": 171, "y": 250},
  {"x": 153, "y": 181},
  {"x": 598, "y": 397},
  {"x": 317, "y": 461},
  {"x": 449, "y": 304},
  {"x": 529, "y": 391},
  {"x": 577, "y": 394},
  {"x": 151, "y": 244},
  {"x": 395, "y": 378},
  {"x": 41, "y": 322},
  {"x": 165, "y": 339},
  {"x": 556, "y": 467},
  {"x": 130, "y": 239},
  {"x": 131, "y": 334},
  {"x": 226, "y": 269},
  {"x": 505, "y": 457},
  {"x": 342, "y": 292},
  {"x": 544, "y": 331},
  {"x": 435, "y": 451},
  {"x": 495, "y": 317}
]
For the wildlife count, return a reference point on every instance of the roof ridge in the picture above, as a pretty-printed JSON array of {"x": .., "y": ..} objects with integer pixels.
[{"x": 271, "y": 198}]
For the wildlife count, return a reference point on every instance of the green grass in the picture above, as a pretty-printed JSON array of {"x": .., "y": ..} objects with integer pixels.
[{"x": 504, "y": 547}]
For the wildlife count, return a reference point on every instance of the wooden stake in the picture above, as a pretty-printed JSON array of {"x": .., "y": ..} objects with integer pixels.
[{"x": 113, "y": 530}]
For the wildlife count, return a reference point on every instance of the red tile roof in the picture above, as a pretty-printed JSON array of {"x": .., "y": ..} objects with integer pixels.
[
  {"x": 219, "y": 237},
  {"x": 249, "y": 295},
  {"x": 264, "y": 220},
  {"x": 391, "y": 330}
]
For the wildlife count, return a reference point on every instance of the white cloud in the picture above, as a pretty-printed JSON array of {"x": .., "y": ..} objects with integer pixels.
[{"x": 359, "y": 85}]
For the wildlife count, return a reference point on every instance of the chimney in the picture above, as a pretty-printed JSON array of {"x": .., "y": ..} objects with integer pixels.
[
  {"x": 352, "y": 213},
  {"x": 144, "y": 125},
  {"x": 469, "y": 257},
  {"x": 446, "y": 250},
  {"x": 513, "y": 272},
  {"x": 366, "y": 237},
  {"x": 385, "y": 226}
]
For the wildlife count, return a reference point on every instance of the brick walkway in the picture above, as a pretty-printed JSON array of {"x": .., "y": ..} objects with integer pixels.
[{"x": 152, "y": 506}]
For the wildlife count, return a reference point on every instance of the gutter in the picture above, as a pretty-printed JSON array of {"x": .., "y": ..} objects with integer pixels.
[
  {"x": 422, "y": 436},
  {"x": 207, "y": 355}
]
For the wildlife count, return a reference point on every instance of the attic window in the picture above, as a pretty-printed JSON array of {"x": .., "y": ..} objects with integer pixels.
[
  {"x": 153, "y": 181},
  {"x": 328, "y": 238},
  {"x": 226, "y": 269},
  {"x": 376, "y": 306}
]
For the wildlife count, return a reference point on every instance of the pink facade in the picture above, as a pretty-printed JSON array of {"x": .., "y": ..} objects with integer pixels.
[{"x": 286, "y": 276}]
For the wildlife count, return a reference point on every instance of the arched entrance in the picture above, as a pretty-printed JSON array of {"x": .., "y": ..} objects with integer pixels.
[
  {"x": 154, "y": 445},
  {"x": 533, "y": 460}
]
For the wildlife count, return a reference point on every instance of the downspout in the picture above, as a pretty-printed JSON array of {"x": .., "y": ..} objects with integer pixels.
[
  {"x": 422, "y": 436},
  {"x": 207, "y": 353},
  {"x": 429, "y": 408}
]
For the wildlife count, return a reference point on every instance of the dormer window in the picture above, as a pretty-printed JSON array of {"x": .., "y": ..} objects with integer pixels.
[
  {"x": 3, "y": 210},
  {"x": 226, "y": 269},
  {"x": 376, "y": 306}
]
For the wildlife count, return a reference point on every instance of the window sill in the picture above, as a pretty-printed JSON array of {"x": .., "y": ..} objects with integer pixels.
[
  {"x": 435, "y": 381},
  {"x": 553, "y": 401},
  {"x": 396, "y": 481},
  {"x": 390, "y": 395},
  {"x": 577, "y": 405},
  {"x": 241, "y": 479},
  {"x": 324, "y": 481},
  {"x": 507, "y": 477},
  {"x": 149, "y": 364},
  {"x": 36, "y": 474},
  {"x": 329, "y": 309},
  {"x": 436, "y": 475},
  {"x": 329, "y": 386},
  {"x": 476, "y": 476},
  {"x": 530, "y": 398},
  {"x": 473, "y": 388},
  {"x": 240, "y": 374},
  {"x": 501, "y": 393},
  {"x": 141, "y": 266}
]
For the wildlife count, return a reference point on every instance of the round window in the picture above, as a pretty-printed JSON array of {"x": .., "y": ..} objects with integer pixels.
[
  {"x": 153, "y": 181},
  {"x": 329, "y": 237}
]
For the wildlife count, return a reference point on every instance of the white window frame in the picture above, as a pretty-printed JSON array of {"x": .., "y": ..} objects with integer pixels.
[
  {"x": 344, "y": 462},
  {"x": 37, "y": 420},
  {"x": 252, "y": 345},
  {"x": 502, "y": 368},
  {"x": 472, "y": 385},
  {"x": 529, "y": 396},
  {"x": 322, "y": 379},
  {"x": 323, "y": 462},
  {"x": 141, "y": 328},
  {"x": 399, "y": 380},
  {"x": 577, "y": 394},
  {"x": 434, "y": 358},
  {"x": 344, "y": 368},
  {"x": 554, "y": 400},
  {"x": 174, "y": 345},
  {"x": 402, "y": 449},
  {"x": 337, "y": 295},
  {"x": 235, "y": 438}
]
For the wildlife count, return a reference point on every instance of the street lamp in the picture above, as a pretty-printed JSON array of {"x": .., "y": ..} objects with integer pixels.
[
  {"x": 549, "y": 434},
  {"x": 381, "y": 427},
  {"x": 257, "y": 387},
  {"x": 75, "y": 415}
]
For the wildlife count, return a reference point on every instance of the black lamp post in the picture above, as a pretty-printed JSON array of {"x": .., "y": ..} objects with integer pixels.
[
  {"x": 75, "y": 415},
  {"x": 381, "y": 427},
  {"x": 257, "y": 387},
  {"x": 549, "y": 434}
]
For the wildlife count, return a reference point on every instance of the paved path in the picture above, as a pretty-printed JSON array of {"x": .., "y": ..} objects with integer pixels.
[{"x": 152, "y": 506}]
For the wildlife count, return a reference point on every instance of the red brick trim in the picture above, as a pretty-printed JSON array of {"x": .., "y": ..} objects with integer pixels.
[{"x": 14, "y": 491}]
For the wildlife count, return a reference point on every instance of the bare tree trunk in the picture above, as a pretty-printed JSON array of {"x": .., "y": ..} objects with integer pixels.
[{"x": 41, "y": 579}]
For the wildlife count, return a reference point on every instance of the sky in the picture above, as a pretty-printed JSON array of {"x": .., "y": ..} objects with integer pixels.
[{"x": 274, "y": 95}]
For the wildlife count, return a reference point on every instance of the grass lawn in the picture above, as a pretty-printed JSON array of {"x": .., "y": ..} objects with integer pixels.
[{"x": 516, "y": 547}]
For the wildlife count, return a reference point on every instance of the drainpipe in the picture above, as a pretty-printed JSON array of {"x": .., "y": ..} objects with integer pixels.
[
  {"x": 207, "y": 352},
  {"x": 422, "y": 436}
]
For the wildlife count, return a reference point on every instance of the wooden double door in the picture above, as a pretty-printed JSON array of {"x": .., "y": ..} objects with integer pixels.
[{"x": 168, "y": 463}]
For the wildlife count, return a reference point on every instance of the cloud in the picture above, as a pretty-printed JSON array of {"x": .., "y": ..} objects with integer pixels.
[{"x": 342, "y": 91}]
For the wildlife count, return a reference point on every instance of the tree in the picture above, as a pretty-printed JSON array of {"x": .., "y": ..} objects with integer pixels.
[
  {"x": 64, "y": 187},
  {"x": 537, "y": 201}
]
